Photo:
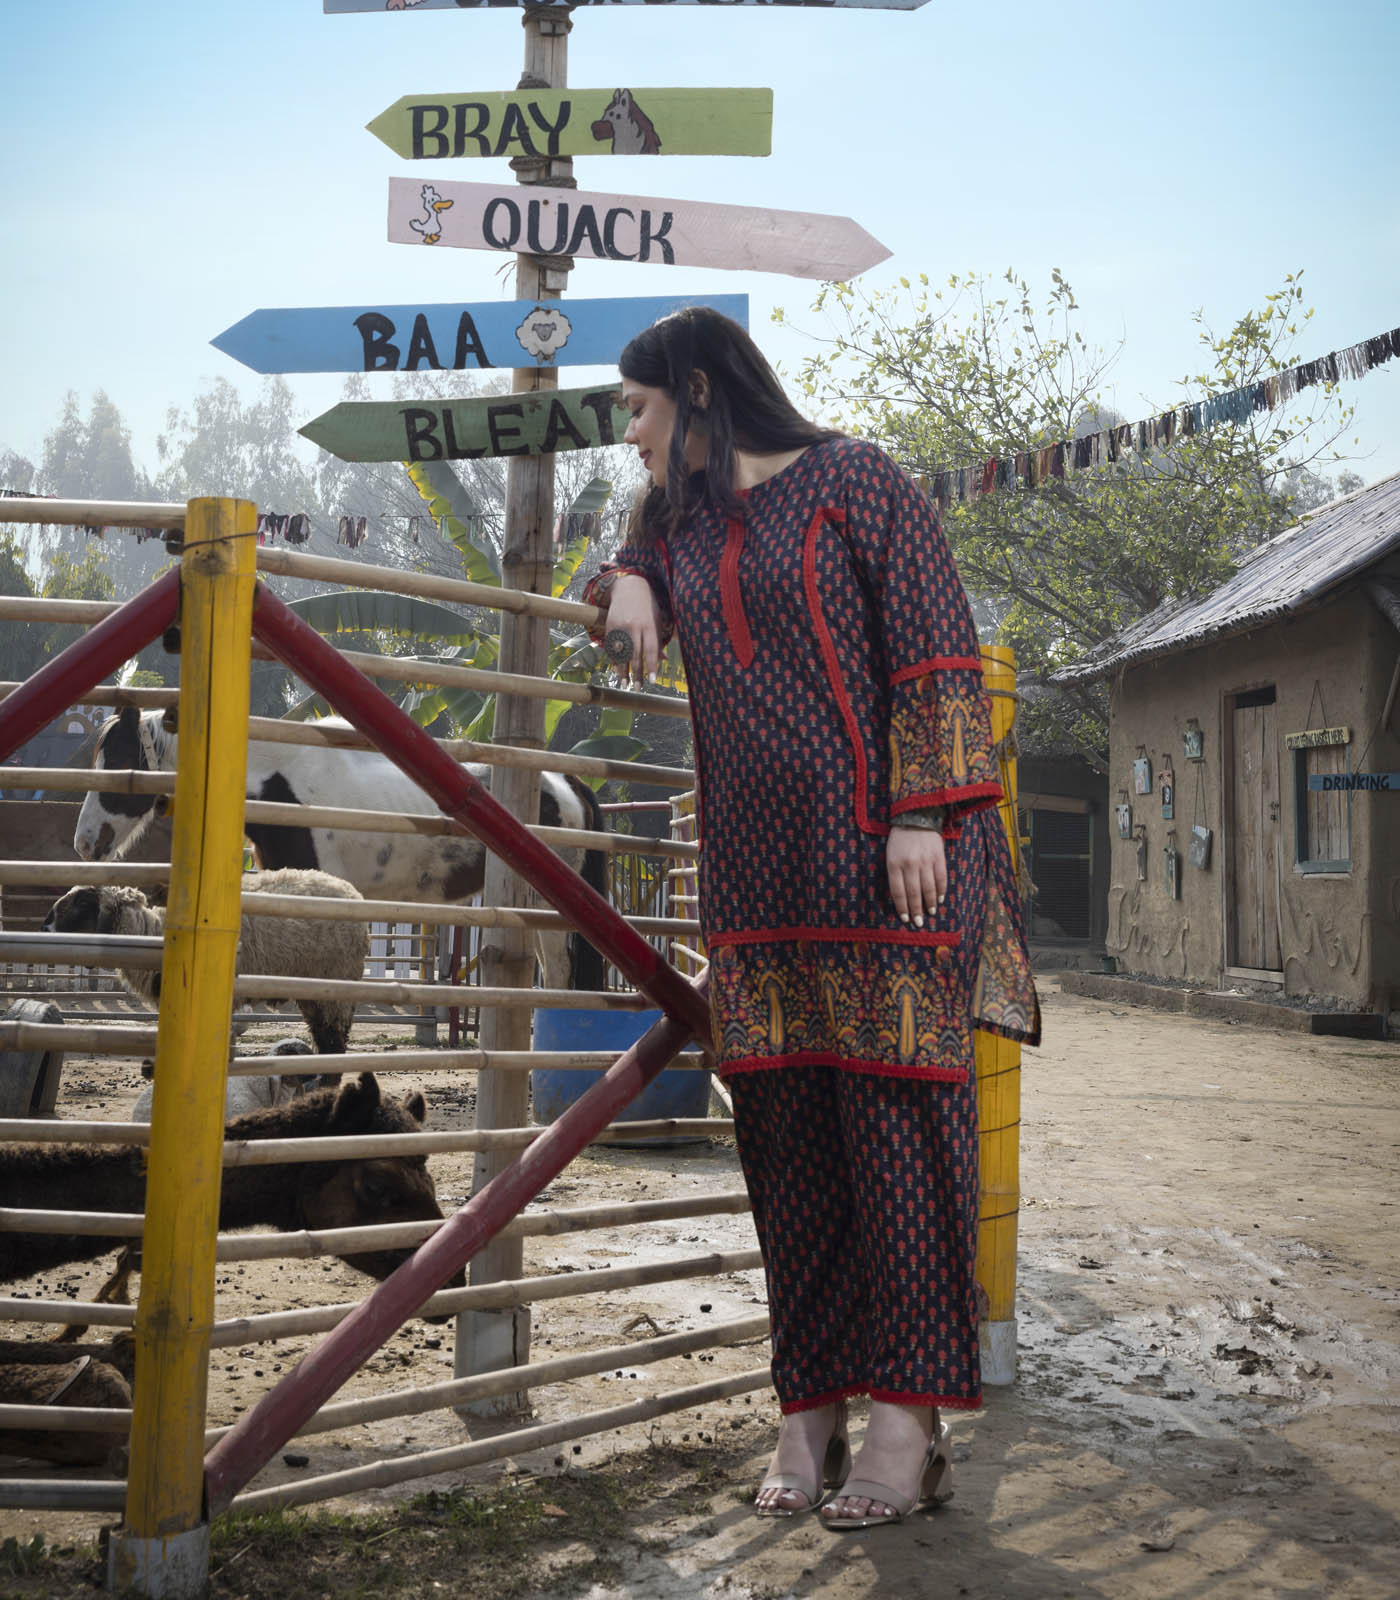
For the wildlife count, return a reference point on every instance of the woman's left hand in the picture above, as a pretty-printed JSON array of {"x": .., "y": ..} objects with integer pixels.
[{"x": 918, "y": 873}]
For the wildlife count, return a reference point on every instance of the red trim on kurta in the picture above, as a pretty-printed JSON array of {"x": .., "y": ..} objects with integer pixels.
[
  {"x": 829, "y": 1058},
  {"x": 954, "y": 1402},
  {"x": 953, "y": 936},
  {"x": 816, "y": 1401},
  {"x": 833, "y": 666},
  {"x": 988, "y": 792},
  {"x": 731, "y": 596},
  {"x": 921, "y": 669}
]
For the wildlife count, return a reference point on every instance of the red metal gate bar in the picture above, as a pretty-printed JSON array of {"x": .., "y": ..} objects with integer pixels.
[
  {"x": 277, "y": 1416},
  {"x": 256, "y": 1437},
  {"x": 466, "y": 801},
  {"x": 86, "y": 661}
]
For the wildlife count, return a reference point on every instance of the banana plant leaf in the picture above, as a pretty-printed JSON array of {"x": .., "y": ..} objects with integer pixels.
[
  {"x": 592, "y": 497},
  {"x": 367, "y": 611},
  {"x": 568, "y": 564},
  {"x": 610, "y": 747},
  {"x": 456, "y": 515}
]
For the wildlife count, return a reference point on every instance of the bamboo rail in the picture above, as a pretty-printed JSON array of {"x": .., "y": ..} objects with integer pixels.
[
  {"x": 165, "y": 1484},
  {"x": 90, "y": 1313},
  {"x": 157, "y": 875},
  {"x": 397, "y": 669},
  {"x": 42, "y": 1036},
  {"x": 396, "y": 992},
  {"x": 393, "y": 580},
  {"x": 97, "y": 513},
  {"x": 540, "y": 1375},
  {"x": 64, "y": 1419},
  {"x": 279, "y": 1152},
  {"x": 307, "y": 1244},
  {"x": 111, "y": 694},
  {"x": 270, "y": 1325},
  {"x": 486, "y": 1296},
  {"x": 419, "y": 670},
  {"x": 122, "y": 780},
  {"x": 49, "y": 1494},
  {"x": 426, "y": 1397},
  {"x": 456, "y": 1457}
]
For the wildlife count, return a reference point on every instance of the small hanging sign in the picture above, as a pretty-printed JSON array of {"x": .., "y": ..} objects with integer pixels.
[
  {"x": 1200, "y": 847},
  {"x": 1142, "y": 775},
  {"x": 1124, "y": 813},
  {"x": 1167, "y": 784},
  {"x": 1314, "y": 738},
  {"x": 1172, "y": 859},
  {"x": 1194, "y": 743},
  {"x": 1142, "y": 855}
]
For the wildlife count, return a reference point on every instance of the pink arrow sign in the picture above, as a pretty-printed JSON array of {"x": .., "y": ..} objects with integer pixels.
[{"x": 616, "y": 227}]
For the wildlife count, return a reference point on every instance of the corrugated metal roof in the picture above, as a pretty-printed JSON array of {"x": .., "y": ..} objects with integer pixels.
[{"x": 1292, "y": 571}]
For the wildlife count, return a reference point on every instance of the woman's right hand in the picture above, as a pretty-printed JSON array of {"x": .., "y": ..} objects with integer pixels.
[{"x": 632, "y": 607}]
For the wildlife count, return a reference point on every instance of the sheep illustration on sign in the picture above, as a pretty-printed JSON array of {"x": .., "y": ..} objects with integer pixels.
[
  {"x": 429, "y": 225},
  {"x": 544, "y": 333}
]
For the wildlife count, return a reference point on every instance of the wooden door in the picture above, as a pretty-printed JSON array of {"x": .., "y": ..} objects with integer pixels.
[{"x": 1252, "y": 909}]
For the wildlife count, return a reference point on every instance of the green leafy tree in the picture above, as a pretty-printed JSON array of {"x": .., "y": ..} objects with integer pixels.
[
  {"x": 225, "y": 446},
  {"x": 86, "y": 578},
  {"x": 954, "y": 376},
  {"x": 21, "y": 643}
]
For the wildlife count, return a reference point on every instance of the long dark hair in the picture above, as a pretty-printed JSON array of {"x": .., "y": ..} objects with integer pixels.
[{"x": 746, "y": 410}]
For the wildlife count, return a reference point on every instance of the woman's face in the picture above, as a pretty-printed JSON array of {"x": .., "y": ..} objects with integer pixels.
[{"x": 653, "y": 421}]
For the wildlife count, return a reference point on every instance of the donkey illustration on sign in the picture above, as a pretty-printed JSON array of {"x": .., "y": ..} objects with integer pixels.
[{"x": 630, "y": 129}]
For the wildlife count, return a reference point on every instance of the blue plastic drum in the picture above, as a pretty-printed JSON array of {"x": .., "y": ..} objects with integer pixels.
[{"x": 674, "y": 1092}]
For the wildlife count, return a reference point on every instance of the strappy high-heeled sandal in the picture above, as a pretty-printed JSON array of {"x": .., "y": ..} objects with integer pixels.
[
  {"x": 935, "y": 1486},
  {"x": 836, "y": 1463}
]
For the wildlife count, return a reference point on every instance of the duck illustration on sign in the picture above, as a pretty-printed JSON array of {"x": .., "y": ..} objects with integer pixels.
[
  {"x": 627, "y": 126},
  {"x": 429, "y": 225},
  {"x": 544, "y": 332}
]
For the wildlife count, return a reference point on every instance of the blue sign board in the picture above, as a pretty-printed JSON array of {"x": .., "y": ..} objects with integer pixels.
[{"x": 451, "y": 338}]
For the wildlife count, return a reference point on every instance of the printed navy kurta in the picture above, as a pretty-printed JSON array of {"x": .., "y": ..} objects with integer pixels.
[{"x": 835, "y": 681}]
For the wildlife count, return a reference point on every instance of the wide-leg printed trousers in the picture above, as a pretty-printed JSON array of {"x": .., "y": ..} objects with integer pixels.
[{"x": 864, "y": 1192}]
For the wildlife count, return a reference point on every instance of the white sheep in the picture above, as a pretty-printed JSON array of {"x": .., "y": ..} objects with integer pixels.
[{"x": 291, "y": 947}]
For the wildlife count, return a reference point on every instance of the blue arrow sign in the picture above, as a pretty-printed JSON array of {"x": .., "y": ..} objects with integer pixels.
[{"x": 499, "y": 333}]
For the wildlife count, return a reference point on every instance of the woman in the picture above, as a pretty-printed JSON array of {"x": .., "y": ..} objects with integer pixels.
[{"x": 856, "y": 890}]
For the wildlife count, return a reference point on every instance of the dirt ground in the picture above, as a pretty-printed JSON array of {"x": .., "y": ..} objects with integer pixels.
[{"x": 1208, "y": 1342}]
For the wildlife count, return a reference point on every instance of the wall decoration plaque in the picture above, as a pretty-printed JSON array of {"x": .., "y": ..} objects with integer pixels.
[
  {"x": 1199, "y": 850},
  {"x": 1124, "y": 814},
  {"x": 1142, "y": 775},
  {"x": 1166, "y": 783}
]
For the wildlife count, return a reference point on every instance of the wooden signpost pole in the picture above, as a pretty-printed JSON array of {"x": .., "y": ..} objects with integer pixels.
[{"x": 490, "y": 1340}]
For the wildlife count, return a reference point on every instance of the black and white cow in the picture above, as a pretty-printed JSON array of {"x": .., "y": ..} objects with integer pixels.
[{"x": 382, "y": 866}]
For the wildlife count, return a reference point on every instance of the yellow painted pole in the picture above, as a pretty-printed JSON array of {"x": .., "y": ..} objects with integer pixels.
[
  {"x": 163, "y": 1547},
  {"x": 999, "y": 1092}
]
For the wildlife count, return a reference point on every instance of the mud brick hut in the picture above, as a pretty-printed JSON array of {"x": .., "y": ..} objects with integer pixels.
[{"x": 1231, "y": 862}]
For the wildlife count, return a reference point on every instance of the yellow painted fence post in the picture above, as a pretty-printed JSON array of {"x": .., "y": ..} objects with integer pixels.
[
  {"x": 999, "y": 1091},
  {"x": 162, "y": 1549}
]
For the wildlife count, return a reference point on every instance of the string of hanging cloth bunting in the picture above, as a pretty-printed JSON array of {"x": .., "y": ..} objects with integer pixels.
[{"x": 1031, "y": 468}]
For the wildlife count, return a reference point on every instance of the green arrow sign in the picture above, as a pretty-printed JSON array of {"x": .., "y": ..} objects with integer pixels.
[
  {"x": 533, "y": 424},
  {"x": 580, "y": 122}
]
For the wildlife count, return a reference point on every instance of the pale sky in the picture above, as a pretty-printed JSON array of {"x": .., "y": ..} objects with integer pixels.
[{"x": 171, "y": 167}]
